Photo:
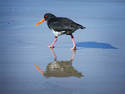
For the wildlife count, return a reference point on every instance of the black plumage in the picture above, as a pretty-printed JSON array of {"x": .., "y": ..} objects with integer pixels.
[{"x": 59, "y": 24}]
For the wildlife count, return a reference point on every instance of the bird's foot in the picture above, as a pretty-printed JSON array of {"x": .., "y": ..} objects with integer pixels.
[
  {"x": 74, "y": 48},
  {"x": 51, "y": 47}
]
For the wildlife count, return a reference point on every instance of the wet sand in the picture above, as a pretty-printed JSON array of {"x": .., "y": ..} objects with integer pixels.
[{"x": 28, "y": 66}]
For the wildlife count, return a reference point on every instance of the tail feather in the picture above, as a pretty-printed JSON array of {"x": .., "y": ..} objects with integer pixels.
[{"x": 81, "y": 27}]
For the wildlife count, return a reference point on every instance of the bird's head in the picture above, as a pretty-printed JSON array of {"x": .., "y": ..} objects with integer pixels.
[{"x": 47, "y": 16}]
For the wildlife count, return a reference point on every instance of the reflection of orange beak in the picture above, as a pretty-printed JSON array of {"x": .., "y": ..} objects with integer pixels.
[
  {"x": 38, "y": 68},
  {"x": 40, "y": 21}
]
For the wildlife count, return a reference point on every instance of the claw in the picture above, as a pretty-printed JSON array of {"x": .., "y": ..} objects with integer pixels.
[
  {"x": 74, "y": 48},
  {"x": 51, "y": 47}
]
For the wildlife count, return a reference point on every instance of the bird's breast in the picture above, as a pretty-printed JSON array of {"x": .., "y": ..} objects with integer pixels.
[{"x": 57, "y": 33}]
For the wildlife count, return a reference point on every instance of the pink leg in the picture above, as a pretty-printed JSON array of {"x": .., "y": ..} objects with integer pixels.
[
  {"x": 73, "y": 54},
  {"x": 52, "y": 45},
  {"x": 54, "y": 54},
  {"x": 74, "y": 45}
]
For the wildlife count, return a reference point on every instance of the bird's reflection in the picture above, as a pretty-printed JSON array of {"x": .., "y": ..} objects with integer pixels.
[{"x": 60, "y": 68}]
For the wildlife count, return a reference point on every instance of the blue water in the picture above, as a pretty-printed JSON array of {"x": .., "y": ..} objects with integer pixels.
[{"x": 28, "y": 66}]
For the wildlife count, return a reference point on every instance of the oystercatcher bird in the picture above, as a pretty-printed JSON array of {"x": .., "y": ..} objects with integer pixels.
[{"x": 60, "y": 26}]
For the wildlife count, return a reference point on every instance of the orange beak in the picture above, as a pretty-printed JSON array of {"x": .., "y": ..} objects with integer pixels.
[{"x": 40, "y": 21}]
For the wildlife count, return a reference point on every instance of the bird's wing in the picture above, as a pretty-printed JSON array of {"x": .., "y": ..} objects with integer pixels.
[{"x": 62, "y": 24}]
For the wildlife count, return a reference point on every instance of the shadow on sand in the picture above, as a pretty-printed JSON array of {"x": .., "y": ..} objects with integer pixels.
[{"x": 92, "y": 44}]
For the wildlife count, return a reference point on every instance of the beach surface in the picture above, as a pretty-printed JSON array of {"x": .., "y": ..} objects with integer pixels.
[{"x": 28, "y": 66}]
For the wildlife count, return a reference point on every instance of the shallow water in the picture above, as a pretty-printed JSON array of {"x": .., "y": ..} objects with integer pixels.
[{"x": 28, "y": 66}]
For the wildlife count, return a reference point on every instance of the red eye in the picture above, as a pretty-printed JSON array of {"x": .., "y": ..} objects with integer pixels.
[{"x": 45, "y": 16}]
